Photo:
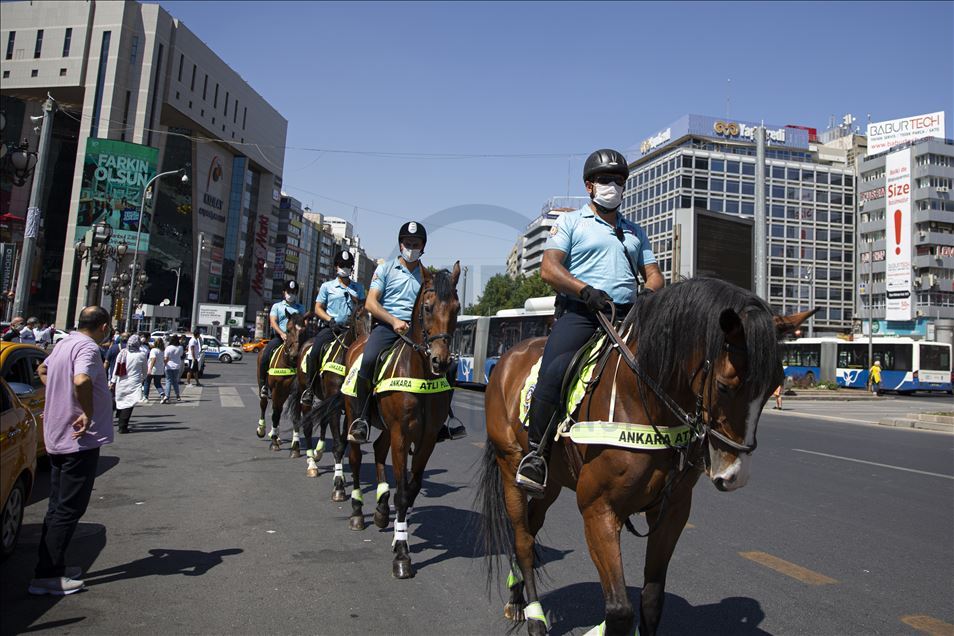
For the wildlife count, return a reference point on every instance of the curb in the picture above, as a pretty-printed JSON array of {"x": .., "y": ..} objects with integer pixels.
[{"x": 918, "y": 424}]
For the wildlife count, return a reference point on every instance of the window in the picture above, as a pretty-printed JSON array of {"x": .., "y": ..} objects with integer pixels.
[
  {"x": 748, "y": 168},
  {"x": 686, "y": 161},
  {"x": 732, "y": 186},
  {"x": 778, "y": 172},
  {"x": 718, "y": 165},
  {"x": 122, "y": 135},
  {"x": 748, "y": 187},
  {"x": 34, "y": 73},
  {"x": 235, "y": 112},
  {"x": 39, "y": 44},
  {"x": 62, "y": 72},
  {"x": 702, "y": 163},
  {"x": 67, "y": 40},
  {"x": 244, "y": 117},
  {"x": 192, "y": 83},
  {"x": 793, "y": 174},
  {"x": 935, "y": 357},
  {"x": 226, "y": 111},
  {"x": 10, "y": 40},
  {"x": 717, "y": 185},
  {"x": 6, "y": 74},
  {"x": 215, "y": 99},
  {"x": 134, "y": 49},
  {"x": 836, "y": 178},
  {"x": 700, "y": 183},
  {"x": 205, "y": 86},
  {"x": 181, "y": 63}
]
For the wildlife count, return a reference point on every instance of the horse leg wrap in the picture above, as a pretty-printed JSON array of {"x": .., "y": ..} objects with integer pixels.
[
  {"x": 274, "y": 431},
  {"x": 295, "y": 437},
  {"x": 534, "y": 612},
  {"x": 599, "y": 630},
  {"x": 310, "y": 454},
  {"x": 320, "y": 446},
  {"x": 515, "y": 577},
  {"x": 339, "y": 471},
  {"x": 400, "y": 532},
  {"x": 357, "y": 496},
  {"x": 383, "y": 489},
  {"x": 261, "y": 423}
]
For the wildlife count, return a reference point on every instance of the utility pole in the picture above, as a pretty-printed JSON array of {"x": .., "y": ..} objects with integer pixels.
[
  {"x": 195, "y": 286},
  {"x": 464, "y": 293},
  {"x": 761, "y": 260},
  {"x": 34, "y": 214}
]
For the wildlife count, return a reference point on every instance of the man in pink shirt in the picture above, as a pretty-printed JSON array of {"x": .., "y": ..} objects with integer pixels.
[{"x": 77, "y": 421}]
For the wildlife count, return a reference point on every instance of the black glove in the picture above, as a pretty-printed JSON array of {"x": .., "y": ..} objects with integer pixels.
[{"x": 595, "y": 299}]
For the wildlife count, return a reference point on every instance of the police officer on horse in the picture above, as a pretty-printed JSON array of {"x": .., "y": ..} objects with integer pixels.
[
  {"x": 334, "y": 306},
  {"x": 278, "y": 319},
  {"x": 591, "y": 258}
]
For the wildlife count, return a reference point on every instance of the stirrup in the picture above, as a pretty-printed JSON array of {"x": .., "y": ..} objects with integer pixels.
[
  {"x": 264, "y": 393},
  {"x": 307, "y": 397},
  {"x": 531, "y": 487},
  {"x": 352, "y": 438}
]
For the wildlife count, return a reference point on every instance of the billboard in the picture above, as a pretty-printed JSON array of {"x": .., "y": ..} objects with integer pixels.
[
  {"x": 884, "y": 135},
  {"x": 114, "y": 176},
  {"x": 900, "y": 305},
  {"x": 725, "y": 129}
]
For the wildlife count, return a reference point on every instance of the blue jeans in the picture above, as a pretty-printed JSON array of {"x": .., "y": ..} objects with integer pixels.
[
  {"x": 172, "y": 382},
  {"x": 153, "y": 379}
]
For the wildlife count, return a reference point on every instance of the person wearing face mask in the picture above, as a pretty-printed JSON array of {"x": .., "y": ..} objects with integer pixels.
[
  {"x": 394, "y": 288},
  {"x": 591, "y": 259},
  {"x": 336, "y": 302},
  {"x": 278, "y": 319}
]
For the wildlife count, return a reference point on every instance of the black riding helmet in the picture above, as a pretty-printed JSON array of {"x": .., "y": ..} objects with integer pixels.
[
  {"x": 413, "y": 229},
  {"x": 344, "y": 258},
  {"x": 291, "y": 287},
  {"x": 605, "y": 161}
]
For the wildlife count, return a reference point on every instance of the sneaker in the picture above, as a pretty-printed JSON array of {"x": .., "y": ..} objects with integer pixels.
[
  {"x": 532, "y": 475},
  {"x": 57, "y": 586},
  {"x": 358, "y": 432},
  {"x": 164, "y": 400}
]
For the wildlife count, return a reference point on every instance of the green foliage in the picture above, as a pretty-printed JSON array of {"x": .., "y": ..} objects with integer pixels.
[{"x": 504, "y": 292}]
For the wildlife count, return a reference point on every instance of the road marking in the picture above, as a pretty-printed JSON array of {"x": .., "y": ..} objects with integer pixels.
[
  {"x": 928, "y": 625},
  {"x": 788, "y": 569},
  {"x": 191, "y": 395},
  {"x": 469, "y": 407},
  {"x": 862, "y": 461},
  {"x": 479, "y": 444},
  {"x": 229, "y": 397},
  {"x": 817, "y": 416}
]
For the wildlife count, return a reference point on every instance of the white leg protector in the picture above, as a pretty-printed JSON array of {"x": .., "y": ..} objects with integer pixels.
[
  {"x": 339, "y": 470},
  {"x": 274, "y": 433},
  {"x": 400, "y": 532},
  {"x": 320, "y": 446},
  {"x": 534, "y": 612},
  {"x": 295, "y": 437},
  {"x": 383, "y": 489}
]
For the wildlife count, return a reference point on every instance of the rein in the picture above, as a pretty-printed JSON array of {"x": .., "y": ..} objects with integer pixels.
[{"x": 424, "y": 347}]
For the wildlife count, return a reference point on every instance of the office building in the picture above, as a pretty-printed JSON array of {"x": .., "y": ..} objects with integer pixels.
[
  {"x": 138, "y": 93},
  {"x": 527, "y": 254},
  {"x": 708, "y": 164}
]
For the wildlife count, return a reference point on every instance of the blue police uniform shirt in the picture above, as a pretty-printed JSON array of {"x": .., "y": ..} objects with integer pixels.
[
  {"x": 595, "y": 255},
  {"x": 279, "y": 309},
  {"x": 398, "y": 287},
  {"x": 339, "y": 299}
]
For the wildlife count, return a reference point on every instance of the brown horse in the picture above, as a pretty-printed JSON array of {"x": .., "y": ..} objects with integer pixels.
[
  {"x": 702, "y": 347},
  {"x": 328, "y": 407},
  {"x": 281, "y": 382},
  {"x": 410, "y": 422}
]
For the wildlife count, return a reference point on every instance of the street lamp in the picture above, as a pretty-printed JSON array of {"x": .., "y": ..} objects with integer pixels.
[
  {"x": 142, "y": 211},
  {"x": 96, "y": 248},
  {"x": 21, "y": 161}
]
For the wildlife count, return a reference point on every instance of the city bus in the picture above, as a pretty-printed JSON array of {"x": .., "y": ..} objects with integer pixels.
[
  {"x": 907, "y": 365},
  {"x": 479, "y": 341}
]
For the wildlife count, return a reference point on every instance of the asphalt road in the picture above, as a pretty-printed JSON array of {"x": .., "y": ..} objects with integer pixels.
[{"x": 195, "y": 527}]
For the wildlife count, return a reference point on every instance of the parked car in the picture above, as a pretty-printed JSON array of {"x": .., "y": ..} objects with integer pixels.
[
  {"x": 18, "y": 365},
  {"x": 18, "y": 444},
  {"x": 255, "y": 345},
  {"x": 58, "y": 334},
  {"x": 218, "y": 351}
]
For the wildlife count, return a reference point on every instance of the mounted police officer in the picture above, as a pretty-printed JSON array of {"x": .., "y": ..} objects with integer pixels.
[
  {"x": 334, "y": 305},
  {"x": 591, "y": 259},
  {"x": 278, "y": 319}
]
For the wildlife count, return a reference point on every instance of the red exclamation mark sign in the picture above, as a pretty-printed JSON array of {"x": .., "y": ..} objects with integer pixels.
[{"x": 897, "y": 231}]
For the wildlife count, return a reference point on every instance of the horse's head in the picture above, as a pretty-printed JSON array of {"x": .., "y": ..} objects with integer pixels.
[
  {"x": 436, "y": 312},
  {"x": 745, "y": 370},
  {"x": 295, "y": 330}
]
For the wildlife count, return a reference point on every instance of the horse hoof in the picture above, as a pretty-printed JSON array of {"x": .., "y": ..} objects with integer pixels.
[
  {"x": 356, "y": 522},
  {"x": 339, "y": 496},
  {"x": 317, "y": 455},
  {"x": 514, "y": 612},
  {"x": 294, "y": 453},
  {"x": 312, "y": 472},
  {"x": 275, "y": 446},
  {"x": 260, "y": 431},
  {"x": 401, "y": 569},
  {"x": 382, "y": 519}
]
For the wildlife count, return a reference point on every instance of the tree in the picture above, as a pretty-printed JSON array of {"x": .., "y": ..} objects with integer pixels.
[{"x": 504, "y": 292}]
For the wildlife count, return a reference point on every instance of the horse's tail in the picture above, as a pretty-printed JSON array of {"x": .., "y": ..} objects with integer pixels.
[
  {"x": 325, "y": 408},
  {"x": 496, "y": 531}
]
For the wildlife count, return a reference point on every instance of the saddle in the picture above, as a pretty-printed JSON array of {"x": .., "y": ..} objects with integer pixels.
[
  {"x": 279, "y": 371},
  {"x": 385, "y": 380},
  {"x": 326, "y": 355}
]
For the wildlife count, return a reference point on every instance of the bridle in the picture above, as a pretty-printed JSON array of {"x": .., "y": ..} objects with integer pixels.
[{"x": 424, "y": 347}]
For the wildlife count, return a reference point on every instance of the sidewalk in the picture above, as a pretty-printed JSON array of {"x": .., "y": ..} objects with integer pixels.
[{"x": 883, "y": 411}]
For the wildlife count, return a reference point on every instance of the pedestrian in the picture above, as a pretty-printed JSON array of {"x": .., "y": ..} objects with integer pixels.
[
  {"x": 777, "y": 394},
  {"x": 111, "y": 355},
  {"x": 77, "y": 421},
  {"x": 156, "y": 369},
  {"x": 128, "y": 376},
  {"x": 172, "y": 358},
  {"x": 44, "y": 335},
  {"x": 874, "y": 377},
  {"x": 193, "y": 351},
  {"x": 17, "y": 325},
  {"x": 180, "y": 341}
]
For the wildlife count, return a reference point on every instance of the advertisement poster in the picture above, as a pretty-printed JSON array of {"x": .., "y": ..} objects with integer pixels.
[
  {"x": 884, "y": 135},
  {"x": 900, "y": 304},
  {"x": 114, "y": 175}
]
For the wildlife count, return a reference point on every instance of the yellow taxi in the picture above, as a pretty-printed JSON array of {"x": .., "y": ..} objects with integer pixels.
[
  {"x": 18, "y": 444},
  {"x": 255, "y": 345},
  {"x": 18, "y": 367}
]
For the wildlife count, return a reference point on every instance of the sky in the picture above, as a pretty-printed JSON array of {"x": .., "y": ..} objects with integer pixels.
[{"x": 520, "y": 93}]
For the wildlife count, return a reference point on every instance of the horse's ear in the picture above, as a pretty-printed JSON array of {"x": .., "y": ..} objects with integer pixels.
[
  {"x": 456, "y": 272},
  {"x": 730, "y": 322},
  {"x": 788, "y": 324}
]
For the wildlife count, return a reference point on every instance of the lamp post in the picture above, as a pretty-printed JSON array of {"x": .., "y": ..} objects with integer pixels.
[
  {"x": 178, "y": 272},
  {"x": 96, "y": 248},
  {"x": 142, "y": 210},
  {"x": 195, "y": 285}
]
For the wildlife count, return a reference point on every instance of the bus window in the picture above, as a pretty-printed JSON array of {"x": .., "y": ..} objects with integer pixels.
[
  {"x": 894, "y": 357},
  {"x": 935, "y": 358},
  {"x": 801, "y": 355},
  {"x": 464, "y": 338},
  {"x": 852, "y": 356}
]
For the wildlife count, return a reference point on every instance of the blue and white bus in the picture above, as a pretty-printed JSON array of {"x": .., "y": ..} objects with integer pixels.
[
  {"x": 479, "y": 341},
  {"x": 907, "y": 365}
]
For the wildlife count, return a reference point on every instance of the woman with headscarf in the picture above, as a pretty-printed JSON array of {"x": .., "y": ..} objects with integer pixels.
[{"x": 128, "y": 375}]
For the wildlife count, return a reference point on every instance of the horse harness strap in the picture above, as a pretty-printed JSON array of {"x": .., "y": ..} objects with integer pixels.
[
  {"x": 425, "y": 346},
  {"x": 280, "y": 371}
]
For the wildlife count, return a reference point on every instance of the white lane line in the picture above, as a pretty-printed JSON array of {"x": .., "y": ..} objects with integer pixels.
[
  {"x": 862, "y": 461},
  {"x": 191, "y": 395},
  {"x": 229, "y": 397},
  {"x": 469, "y": 407}
]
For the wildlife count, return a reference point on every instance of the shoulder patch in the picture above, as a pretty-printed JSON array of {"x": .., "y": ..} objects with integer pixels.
[{"x": 554, "y": 230}]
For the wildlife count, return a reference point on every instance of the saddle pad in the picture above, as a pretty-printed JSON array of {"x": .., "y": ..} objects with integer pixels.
[
  {"x": 278, "y": 371},
  {"x": 577, "y": 388},
  {"x": 328, "y": 363},
  {"x": 414, "y": 385},
  {"x": 632, "y": 436}
]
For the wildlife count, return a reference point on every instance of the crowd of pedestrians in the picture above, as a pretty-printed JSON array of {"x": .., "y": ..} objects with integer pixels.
[{"x": 30, "y": 331}]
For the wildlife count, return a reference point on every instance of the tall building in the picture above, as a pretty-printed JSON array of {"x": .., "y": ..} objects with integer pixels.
[
  {"x": 905, "y": 259},
  {"x": 289, "y": 251},
  {"x": 708, "y": 164},
  {"x": 335, "y": 235},
  {"x": 138, "y": 93},
  {"x": 527, "y": 254}
]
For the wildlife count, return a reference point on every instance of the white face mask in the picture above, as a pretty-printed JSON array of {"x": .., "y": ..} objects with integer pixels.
[
  {"x": 411, "y": 256},
  {"x": 344, "y": 272},
  {"x": 609, "y": 195},
  {"x": 291, "y": 298}
]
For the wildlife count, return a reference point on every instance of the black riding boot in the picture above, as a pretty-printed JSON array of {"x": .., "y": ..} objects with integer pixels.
[
  {"x": 263, "y": 378},
  {"x": 308, "y": 395},
  {"x": 359, "y": 430},
  {"x": 532, "y": 472}
]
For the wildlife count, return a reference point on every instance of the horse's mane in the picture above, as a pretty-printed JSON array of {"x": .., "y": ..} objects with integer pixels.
[
  {"x": 671, "y": 323},
  {"x": 442, "y": 282}
]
